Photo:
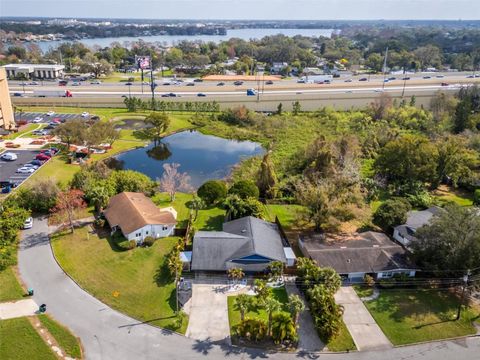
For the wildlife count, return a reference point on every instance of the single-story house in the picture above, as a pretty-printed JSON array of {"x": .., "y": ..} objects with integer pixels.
[
  {"x": 248, "y": 243},
  {"x": 356, "y": 255},
  {"x": 137, "y": 217},
  {"x": 405, "y": 233},
  {"x": 277, "y": 67}
]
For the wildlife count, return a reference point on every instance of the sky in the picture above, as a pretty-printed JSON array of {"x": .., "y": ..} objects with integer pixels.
[{"x": 246, "y": 9}]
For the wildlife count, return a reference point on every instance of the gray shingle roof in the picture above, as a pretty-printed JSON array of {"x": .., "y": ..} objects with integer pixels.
[
  {"x": 239, "y": 238},
  {"x": 415, "y": 220}
]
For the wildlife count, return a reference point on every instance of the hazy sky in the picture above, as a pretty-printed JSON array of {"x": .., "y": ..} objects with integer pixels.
[{"x": 246, "y": 9}]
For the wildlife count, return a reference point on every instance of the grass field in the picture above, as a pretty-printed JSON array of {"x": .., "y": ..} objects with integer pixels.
[
  {"x": 343, "y": 341},
  {"x": 10, "y": 289},
  {"x": 67, "y": 341},
  {"x": 136, "y": 282},
  {"x": 408, "y": 316},
  {"x": 20, "y": 341}
]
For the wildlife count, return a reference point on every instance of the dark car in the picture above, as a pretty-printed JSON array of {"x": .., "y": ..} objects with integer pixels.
[
  {"x": 201, "y": 95},
  {"x": 269, "y": 82},
  {"x": 444, "y": 84},
  {"x": 220, "y": 84},
  {"x": 363, "y": 79},
  {"x": 128, "y": 83},
  {"x": 427, "y": 77},
  {"x": 238, "y": 83},
  {"x": 198, "y": 80},
  {"x": 173, "y": 95},
  {"x": 406, "y": 78},
  {"x": 392, "y": 78},
  {"x": 190, "y": 84},
  {"x": 18, "y": 94},
  {"x": 165, "y": 95},
  {"x": 36, "y": 162}
]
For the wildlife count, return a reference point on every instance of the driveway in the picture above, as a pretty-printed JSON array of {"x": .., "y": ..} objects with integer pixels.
[
  {"x": 208, "y": 317},
  {"x": 365, "y": 332},
  {"x": 107, "y": 334}
]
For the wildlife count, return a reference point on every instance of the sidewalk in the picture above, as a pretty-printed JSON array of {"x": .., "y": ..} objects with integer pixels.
[
  {"x": 365, "y": 332},
  {"x": 15, "y": 309}
]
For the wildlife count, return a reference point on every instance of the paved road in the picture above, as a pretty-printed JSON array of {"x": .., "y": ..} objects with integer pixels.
[{"x": 107, "y": 334}]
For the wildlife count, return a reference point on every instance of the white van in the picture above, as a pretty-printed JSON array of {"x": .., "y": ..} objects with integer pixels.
[{"x": 9, "y": 156}]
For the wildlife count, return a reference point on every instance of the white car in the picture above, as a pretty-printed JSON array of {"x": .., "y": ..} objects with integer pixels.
[
  {"x": 76, "y": 84},
  {"x": 50, "y": 113},
  {"x": 25, "y": 170},
  {"x": 95, "y": 82},
  {"x": 35, "y": 167},
  {"x": 9, "y": 156},
  {"x": 28, "y": 223},
  {"x": 85, "y": 114},
  {"x": 37, "y": 119}
]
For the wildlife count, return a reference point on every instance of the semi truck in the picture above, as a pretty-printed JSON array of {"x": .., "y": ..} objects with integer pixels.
[
  {"x": 317, "y": 79},
  {"x": 52, "y": 93}
]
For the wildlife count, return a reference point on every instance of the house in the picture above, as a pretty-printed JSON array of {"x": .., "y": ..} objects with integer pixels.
[
  {"x": 137, "y": 217},
  {"x": 278, "y": 67},
  {"x": 405, "y": 233},
  {"x": 355, "y": 255},
  {"x": 248, "y": 243}
]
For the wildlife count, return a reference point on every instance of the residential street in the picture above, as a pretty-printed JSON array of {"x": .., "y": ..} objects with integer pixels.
[{"x": 107, "y": 334}]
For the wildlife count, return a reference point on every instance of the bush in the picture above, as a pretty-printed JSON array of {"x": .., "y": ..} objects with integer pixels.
[
  {"x": 244, "y": 189},
  {"x": 252, "y": 329},
  {"x": 391, "y": 213},
  {"x": 99, "y": 223},
  {"x": 148, "y": 241},
  {"x": 369, "y": 280},
  {"x": 476, "y": 197},
  {"x": 132, "y": 244},
  {"x": 212, "y": 191}
]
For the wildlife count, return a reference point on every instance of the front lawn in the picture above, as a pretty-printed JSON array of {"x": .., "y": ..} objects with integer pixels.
[
  {"x": 20, "y": 341},
  {"x": 10, "y": 289},
  {"x": 67, "y": 341},
  {"x": 408, "y": 316},
  {"x": 136, "y": 282},
  {"x": 343, "y": 341}
]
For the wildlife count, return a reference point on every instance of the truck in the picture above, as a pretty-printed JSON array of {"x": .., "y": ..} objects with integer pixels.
[
  {"x": 317, "y": 79},
  {"x": 251, "y": 92},
  {"x": 52, "y": 93}
]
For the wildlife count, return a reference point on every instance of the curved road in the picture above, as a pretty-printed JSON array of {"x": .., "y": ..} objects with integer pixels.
[{"x": 107, "y": 334}]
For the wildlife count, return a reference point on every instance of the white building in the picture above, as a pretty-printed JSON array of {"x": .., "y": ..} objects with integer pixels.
[
  {"x": 36, "y": 71},
  {"x": 137, "y": 217},
  {"x": 405, "y": 233}
]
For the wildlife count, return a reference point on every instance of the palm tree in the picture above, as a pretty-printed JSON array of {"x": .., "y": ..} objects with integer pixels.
[
  {"x": 197, "y": 204},
  {"x": 244, "y": 303},
  {"x": 296, "y": 305},
  {"x": 235, "y": 274},
  {"x": 276, "y": 270},
  {"x": 283, "y": 328},
  {"x": 271, "y": 305},
  {"x": 99, "y": 196}
]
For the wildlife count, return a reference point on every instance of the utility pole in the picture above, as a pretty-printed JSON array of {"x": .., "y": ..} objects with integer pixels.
[
  {"x": 152, "y": 84},
  {"x": 385, "y": 68},
  {"x": 404, "y": 82},
  {"x": 465, "y": 283}
]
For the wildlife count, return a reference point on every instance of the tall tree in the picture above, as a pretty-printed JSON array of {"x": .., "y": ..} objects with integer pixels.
[
  {"x": 244, "y": 303},
  {"x": 297, "y": 306},
  {"x": 72, "y": 132},
  {"x": 158, "y": 123},
  {"x": 267, "y": 178},
  {"x": 67, "y": 202},
  {"x": 271, "y": 305}
]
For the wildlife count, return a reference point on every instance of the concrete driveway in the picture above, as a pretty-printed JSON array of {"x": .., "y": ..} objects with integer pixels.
[
  {"x": 365, "y": 332},
  {"x": 208, "y": 315}
]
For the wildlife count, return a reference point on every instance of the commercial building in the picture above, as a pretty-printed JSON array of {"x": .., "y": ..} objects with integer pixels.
[
  {"x": 34, "y": 71},
  {"x": 6, "y": 110}
]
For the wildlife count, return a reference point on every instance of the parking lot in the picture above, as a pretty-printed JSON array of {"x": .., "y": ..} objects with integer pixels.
[
  {"x": 30, "y": 116},
  {"x": 8, "y": 168}
]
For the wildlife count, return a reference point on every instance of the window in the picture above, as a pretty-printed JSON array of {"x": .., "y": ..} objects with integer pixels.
[
  {"x": 146, "y": 232},
  {"x": 164, "y": 227},
  {"x": 138, "y": 234}
]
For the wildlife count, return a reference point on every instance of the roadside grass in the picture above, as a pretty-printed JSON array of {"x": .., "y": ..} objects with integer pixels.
[
  {"x": 10, "y": 288},
  {"x": 28, "y": 128},
  {"x": 67, "y": 341},
  {"x": 234, "y": 319},
  {"x": 20, "y": 341},
  {"x": 342, "y": 342},
  {"x": 409, "y": 316},
  {"x": 136, "y": 282}
]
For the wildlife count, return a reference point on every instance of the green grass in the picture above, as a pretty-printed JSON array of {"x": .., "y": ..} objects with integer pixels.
[
  {"x": 28, "y": 128},
  {"x": 289, "y": 215},
  {"x": 10, "y": 289},
  {"x": 208, "y": 219},
  {"x": 20, "y": 341},
  {"x": 139, "y": 277},
  {"x": 342, "y": 342},
  {"x": 445, "y": 195},
  {"x": 234, "y": 314},
  {"x": 67, "y": 341},
  {"x": 363, "y": 291},
  {"x": 409, "y": 316}
]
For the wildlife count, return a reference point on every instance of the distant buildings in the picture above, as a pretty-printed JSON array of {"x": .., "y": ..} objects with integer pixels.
[{"x": 34, "y": 71}]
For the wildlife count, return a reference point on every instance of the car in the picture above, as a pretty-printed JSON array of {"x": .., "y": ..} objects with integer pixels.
[
  {"x": 378, "y": 90},
  {"x": 9, "y": 156},
  {"x": 42, "y": 132},
  {"x": 85, "y": 114},
  {"x": 48, "y": 153},
  {"x": 201, "y": 95},
  {"x": 444, "y": 84},
  {"x": 471, "y": 77},
  {"x": 221, "y": 84},
  {"x": 348, "y": 92},
  {"x": 17, "y": 94},
  {"x": 166, "y": 83},
  {"x": 238, "y": 83},
  {"x": 427, "y": 77},
  {"x": 145, "y": 83},
  {"x": 29, "y": 165},
  {"x": 49, "y": 127},
  {"x": 173, "y": 95},
  {"x": 24, "y": 83},
  {"x": 76, "y": 84},
  {"x": 269, "y": 82},
  {"x": 57, "y": 120},
  {"x": 25, "y": 170},
  {"x": 95, "y": 118},
  {"x": 363, "y": 79},
  {"x": 62, "y": 83},
  {"x": 406, "y": 78},
  {"x": 190, "y": 84},
  {"x": 440, "y": 76},
  {"x": 197, "y": 80},
  {"x": 36, "y": 162},
  {"x": 95, "y": 82},
  {"x": 50, "y": 113},
  {"x": 33, "y": 83},
  {"x": 42, "y": 157},
  {"x": 53, "y": 123},
  {"x": 37, "y": 119},
  {"x": 348, "y": 80},
  {"x": 392, "y": 78},
  {"x": 165, "y": 95},
  {"x": 300, "y": 81},
  {"x": 128, "y": 83},
  {"x": 28, "y": 224}
]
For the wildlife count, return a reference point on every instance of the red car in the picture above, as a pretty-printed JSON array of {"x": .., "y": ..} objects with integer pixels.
[{"x": 42, "y": 157}]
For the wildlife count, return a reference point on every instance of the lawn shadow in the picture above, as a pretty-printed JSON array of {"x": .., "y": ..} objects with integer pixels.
[
  {"x": 214, "y": 223},
  {"x": 162, "y": 276},
  {"x": 113, "y": 240}
]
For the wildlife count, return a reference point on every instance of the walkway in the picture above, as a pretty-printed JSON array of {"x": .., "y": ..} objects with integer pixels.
[
  {"x": 365, "y": 332},
  {"x": 106, "y": 334},
  {"x": 208, "y": 314},
  {"x": 15, "y": 309}
]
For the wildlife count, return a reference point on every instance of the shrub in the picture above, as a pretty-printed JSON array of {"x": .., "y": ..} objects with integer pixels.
[
  {"x": 100, "y": 223},
  {"x": 252, "y": 329},
  {"x": 391, "y": 213},
  {"x": 370, "y": 281},
  {"x": 148, "y": 241},
  {"x": 244, "y": 189},
  {"x": 476, "y": 197},
  {"x": 132, "y": 244},
  {"x": 283, "y": 329},
  {"x": 212, "y": 191}
]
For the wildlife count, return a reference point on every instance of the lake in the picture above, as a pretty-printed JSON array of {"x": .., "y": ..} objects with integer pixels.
[
  {"x": 245, "y": 34},
  {"x": 202, "y": 157}
]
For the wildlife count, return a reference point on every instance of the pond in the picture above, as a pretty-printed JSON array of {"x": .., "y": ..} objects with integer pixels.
[{"x": 202, "y": 157}]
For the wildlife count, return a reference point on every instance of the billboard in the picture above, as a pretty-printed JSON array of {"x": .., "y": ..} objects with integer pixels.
[{"x": 143, "y": 62}]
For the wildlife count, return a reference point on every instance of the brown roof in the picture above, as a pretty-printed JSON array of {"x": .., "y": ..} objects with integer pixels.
[{"x": 132, "y": 211}]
